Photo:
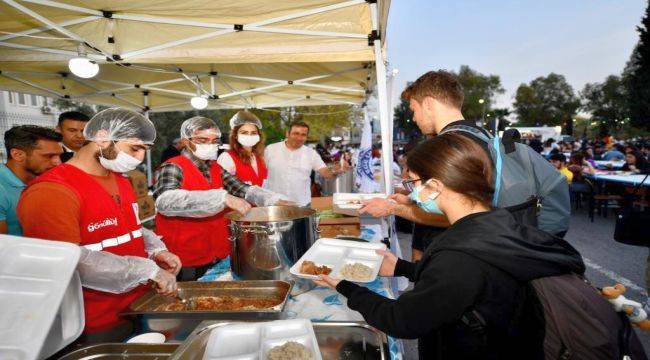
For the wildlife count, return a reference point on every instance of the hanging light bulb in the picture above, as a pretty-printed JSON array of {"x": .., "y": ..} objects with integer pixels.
[
  {"x": 199, "y": 102},
  {"x": 82, "y": 66}
]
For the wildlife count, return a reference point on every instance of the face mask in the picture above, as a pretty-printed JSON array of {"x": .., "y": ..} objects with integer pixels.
[
  {"x": 248, "y": 140},
  {"x": 430, "y": 205},
  {"x": 122, "y": 163},
  {"x": 206, "y": 151}
]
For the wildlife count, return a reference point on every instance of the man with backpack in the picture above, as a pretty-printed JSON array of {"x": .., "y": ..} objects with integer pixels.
[{"x": 529, "y": 186}]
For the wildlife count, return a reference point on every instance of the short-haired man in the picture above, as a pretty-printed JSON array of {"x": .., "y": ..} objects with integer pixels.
[
  {"x": 559, "y": 162},
  {"x": 436, "y": 99},
  {"x": 290, "y": 164},
  {"x": 71, "y": 126},
  {"x": 31, "y": 150}
]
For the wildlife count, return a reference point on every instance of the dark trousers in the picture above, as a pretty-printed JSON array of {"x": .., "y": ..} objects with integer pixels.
[{"x": 193, "y": 273}]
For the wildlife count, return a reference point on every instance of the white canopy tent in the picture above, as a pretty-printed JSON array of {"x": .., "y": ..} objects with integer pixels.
[{"x": 155, "y": 55}]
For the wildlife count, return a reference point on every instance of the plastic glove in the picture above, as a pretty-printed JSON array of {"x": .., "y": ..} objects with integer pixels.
[
  {"x": 104, "y": 271},
  {"x": 165, "y": 283},
  {"x": 194, "y": 204},
  {"x": 152, "y": 242},
  {"x": 238, "y": 204},
  {"x": 263, "y": 197},
  {"x": 168, "y": 261}
]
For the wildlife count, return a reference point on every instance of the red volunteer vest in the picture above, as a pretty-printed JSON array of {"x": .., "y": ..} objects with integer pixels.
[
  {"x": 246, "y": 173},
  {"x": 107, "y": 226},
  {"x": 197, "y": 241}
]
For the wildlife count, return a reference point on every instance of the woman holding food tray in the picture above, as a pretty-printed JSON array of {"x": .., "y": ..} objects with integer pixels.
[{"x": 458, "y": 285}]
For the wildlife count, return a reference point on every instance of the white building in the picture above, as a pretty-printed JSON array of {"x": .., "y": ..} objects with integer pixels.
[{"x": 24, "y": 109}]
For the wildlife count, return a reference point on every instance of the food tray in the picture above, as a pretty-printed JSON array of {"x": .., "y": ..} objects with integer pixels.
[
  {"x": 254, "y": 340},
  {"x": 336, "y": 340},
  {"x": 147, "y": 304},
  {"x": 122, "y": 351},
  {"x": 336, "y": 253},
  {"x": 342, "y": 200}
]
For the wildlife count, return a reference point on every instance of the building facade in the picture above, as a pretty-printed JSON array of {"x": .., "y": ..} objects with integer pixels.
[{"x": 24, "y": 109}]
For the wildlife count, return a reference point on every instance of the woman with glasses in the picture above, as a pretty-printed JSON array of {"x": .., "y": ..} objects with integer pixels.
[
  {"x": 470, "y": 285},
  {"x": 245, "y": 159}
]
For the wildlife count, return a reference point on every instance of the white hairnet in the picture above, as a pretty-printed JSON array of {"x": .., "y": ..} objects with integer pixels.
[
  {"x": 118, "y": 124},
  {"x": 245, "y": 117},
  {"x": 198, "y": 123}
]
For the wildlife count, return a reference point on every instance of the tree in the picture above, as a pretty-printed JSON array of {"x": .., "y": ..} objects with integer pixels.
[
  {"x": 403, "y": 120},
  {"x": 547, "y": 100},
  {"x": 476, "y": 87},
  {"x": 637, "y": 76},
  {"x": 608, "y": 104}
]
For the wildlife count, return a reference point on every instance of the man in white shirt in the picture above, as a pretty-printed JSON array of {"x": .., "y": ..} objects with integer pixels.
[{"x": 290, "y": 164}]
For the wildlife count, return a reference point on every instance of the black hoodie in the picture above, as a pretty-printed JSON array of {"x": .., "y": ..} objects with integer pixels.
[{"x": 482, "y": 262}]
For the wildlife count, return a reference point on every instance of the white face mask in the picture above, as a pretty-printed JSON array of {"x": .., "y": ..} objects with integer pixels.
[
  {"x": 248, "y": 140},
  {"x": 206, "y": 151},
  {"x": 122, "y": 163}
]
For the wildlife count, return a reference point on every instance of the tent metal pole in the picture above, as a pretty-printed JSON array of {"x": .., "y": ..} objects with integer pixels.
[
  {"x": 171, "y": 21},
  {"x": 28, "y": 83},
  {"x": 51, "y": 24},
  {"x": 252, "y": 90},
  {"x": 387, "y": 142},
  {"x": 64, "y": 6},
  {"x": 308, "y": 12},
  {"x": 306, "y": 32},
  {"x": 45, "y": 28},
  {"x": 148, "y": 153},
  {"x": 48, "y": 50},
  {"x": 171, "y": 44},
  {"x": 329, "y": 87}
]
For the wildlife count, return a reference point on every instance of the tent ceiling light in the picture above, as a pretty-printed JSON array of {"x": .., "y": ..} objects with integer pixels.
[
  {"x": 83, "y": 67},
  {"x": 199, "y": 102}
]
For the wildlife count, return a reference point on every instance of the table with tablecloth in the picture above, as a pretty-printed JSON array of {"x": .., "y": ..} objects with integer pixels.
[
  {"x": 626, "y": 179},
  {"x": 321, "y": 303}
]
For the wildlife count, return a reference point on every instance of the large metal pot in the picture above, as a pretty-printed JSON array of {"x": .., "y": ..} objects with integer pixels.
[
  {"x": 269, "y": 240},
  {"x": 343, "y": 183}
]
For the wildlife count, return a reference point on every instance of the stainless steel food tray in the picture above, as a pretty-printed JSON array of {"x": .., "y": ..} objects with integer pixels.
[
  {"x": 336, "y": 340},
  {"x": 122, "y": 351},
  {"x": 147, "y": 304}
]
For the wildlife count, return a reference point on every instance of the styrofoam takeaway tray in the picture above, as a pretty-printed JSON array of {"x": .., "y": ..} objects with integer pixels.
[
  {"x": 336, "y": 253},
  {"x": 253, "y": 341},
  {"x": 34, "y": 278},
  {"x": 342, "y": 199}
]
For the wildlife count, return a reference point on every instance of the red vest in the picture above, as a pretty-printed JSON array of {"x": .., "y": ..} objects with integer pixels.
[
  {"x": 246, "y": 173},
  {"x": 107, "y": 226},
  {"x": 197, "y": 241}
]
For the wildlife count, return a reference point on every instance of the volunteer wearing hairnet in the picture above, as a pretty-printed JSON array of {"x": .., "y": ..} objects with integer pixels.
[
  {"x": 192, "y": 193},
  {"x": 89, "y": 202},
  {"x": 245, "y": 159}
]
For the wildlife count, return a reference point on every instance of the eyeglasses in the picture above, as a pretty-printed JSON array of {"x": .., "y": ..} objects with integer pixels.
[{"x": 409, "y": 185}]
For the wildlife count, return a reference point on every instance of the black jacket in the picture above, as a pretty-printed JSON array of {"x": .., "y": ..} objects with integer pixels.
[{"x": 482, "y": 263}]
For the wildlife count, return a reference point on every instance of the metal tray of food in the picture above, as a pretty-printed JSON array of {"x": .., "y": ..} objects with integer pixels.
[
  {"x": 122, "y": 351},
  {"x": 236, "y": 300},
  {"x": 336, "y": 340}
]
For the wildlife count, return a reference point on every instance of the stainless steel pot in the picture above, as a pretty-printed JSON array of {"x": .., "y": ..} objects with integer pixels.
[
  {"x": 343, "y": 183},
  {"x": 269, "y": 240}
]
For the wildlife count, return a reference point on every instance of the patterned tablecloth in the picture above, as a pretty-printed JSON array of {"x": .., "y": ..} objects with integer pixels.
[{"x": 320, "y": 303}]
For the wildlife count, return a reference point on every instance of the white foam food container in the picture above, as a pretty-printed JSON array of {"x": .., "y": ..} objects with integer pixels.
[
  {"x": 350, "y": 200},
  {"x": 40, "y": 297},
  {"x": 336, "y": 253},
  {"x": 254, "y": 340}
]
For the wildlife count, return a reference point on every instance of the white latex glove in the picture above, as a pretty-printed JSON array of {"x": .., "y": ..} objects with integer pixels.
[
  {"x": 168, "y": 261},
  {"x": 165, "y": 282},
  {"x": 238, "y": 204}
]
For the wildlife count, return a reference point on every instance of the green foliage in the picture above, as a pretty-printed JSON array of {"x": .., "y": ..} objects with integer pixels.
[
  {"x": 476, "y": 87},
  {"x": 608, "y": 104},
  {"x": 403, "y": 120},
  {"x": 547, "y": 100},
  {"x": 637, "y": 77}
]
